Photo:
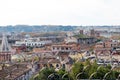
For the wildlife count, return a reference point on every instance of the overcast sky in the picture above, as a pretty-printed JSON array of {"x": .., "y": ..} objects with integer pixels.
[{"x": 60, "y": 12}]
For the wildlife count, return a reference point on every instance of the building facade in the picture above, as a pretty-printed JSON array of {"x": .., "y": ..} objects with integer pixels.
[
  {"x": 5, "y": 50},
  {"x": 86, "y": 40},
  {"x": 32, "y": 43}
]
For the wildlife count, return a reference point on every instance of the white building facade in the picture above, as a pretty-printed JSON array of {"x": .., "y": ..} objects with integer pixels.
[{"x": 33, "y": 43}]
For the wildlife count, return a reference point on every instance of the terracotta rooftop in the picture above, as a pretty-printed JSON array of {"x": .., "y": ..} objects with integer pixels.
[
  {"x": 54, "y": 61},
  {"x": 41, "y": 50},
  {"x": 14, "y": 71},
  {"x": 62, "y": 45}
]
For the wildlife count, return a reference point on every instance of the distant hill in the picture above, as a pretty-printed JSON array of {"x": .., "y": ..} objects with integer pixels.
[
  {"x": 50, "y": 28},
  {"x": 36, "y": 28}
]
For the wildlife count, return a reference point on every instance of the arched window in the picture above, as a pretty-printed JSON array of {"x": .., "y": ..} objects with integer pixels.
[
  {"x": 51, "y": 65},
  {"x": 57, "y": 65},
  {"x": 63, "y": 65}
]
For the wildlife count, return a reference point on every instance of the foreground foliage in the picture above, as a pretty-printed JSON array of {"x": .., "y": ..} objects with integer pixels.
[{"x": 80, "y": 70}]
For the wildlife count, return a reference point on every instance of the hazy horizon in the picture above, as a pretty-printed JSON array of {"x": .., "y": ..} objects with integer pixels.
[
  {"x": 60, "y": 12},
  {"x": 55, "y": 25}
]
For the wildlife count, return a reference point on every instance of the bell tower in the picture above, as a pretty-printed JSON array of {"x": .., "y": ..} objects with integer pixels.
[{"x": 5, "y": 50}]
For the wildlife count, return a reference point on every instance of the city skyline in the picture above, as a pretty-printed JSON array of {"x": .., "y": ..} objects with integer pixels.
[{"x": 59, "y": 12}]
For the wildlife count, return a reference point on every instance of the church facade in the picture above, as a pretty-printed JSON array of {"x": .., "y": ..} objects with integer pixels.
[{"x": 5, "y": 50}]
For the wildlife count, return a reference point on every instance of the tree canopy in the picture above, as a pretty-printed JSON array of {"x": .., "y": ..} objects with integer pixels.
[{"x": 80, "y": 70}]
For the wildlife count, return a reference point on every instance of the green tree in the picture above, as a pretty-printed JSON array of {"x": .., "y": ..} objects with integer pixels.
[
  {"x": 85, "y": 69},
  {"x": 43, "y": 75},
  {"x": 61, "y": 72},
  {"x": 93, "y": 67},
  {"x": 101, "y": 72},
  {"x": 77, "y": 68}
]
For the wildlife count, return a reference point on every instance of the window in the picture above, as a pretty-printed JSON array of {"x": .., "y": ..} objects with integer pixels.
[
  {"x": 29, "y": 44},
  {"x": 62, "y": 48},
  {"x": 67, "y": 48},
  {"x": 63, "y": 66},
  {"x": 53, "y": 48},
  {"x": 57, "y": 48},
  {"x": 88, "y": 43},
  {"x": 51, "y": 65},
  {"x": 57, "y": 65}
]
